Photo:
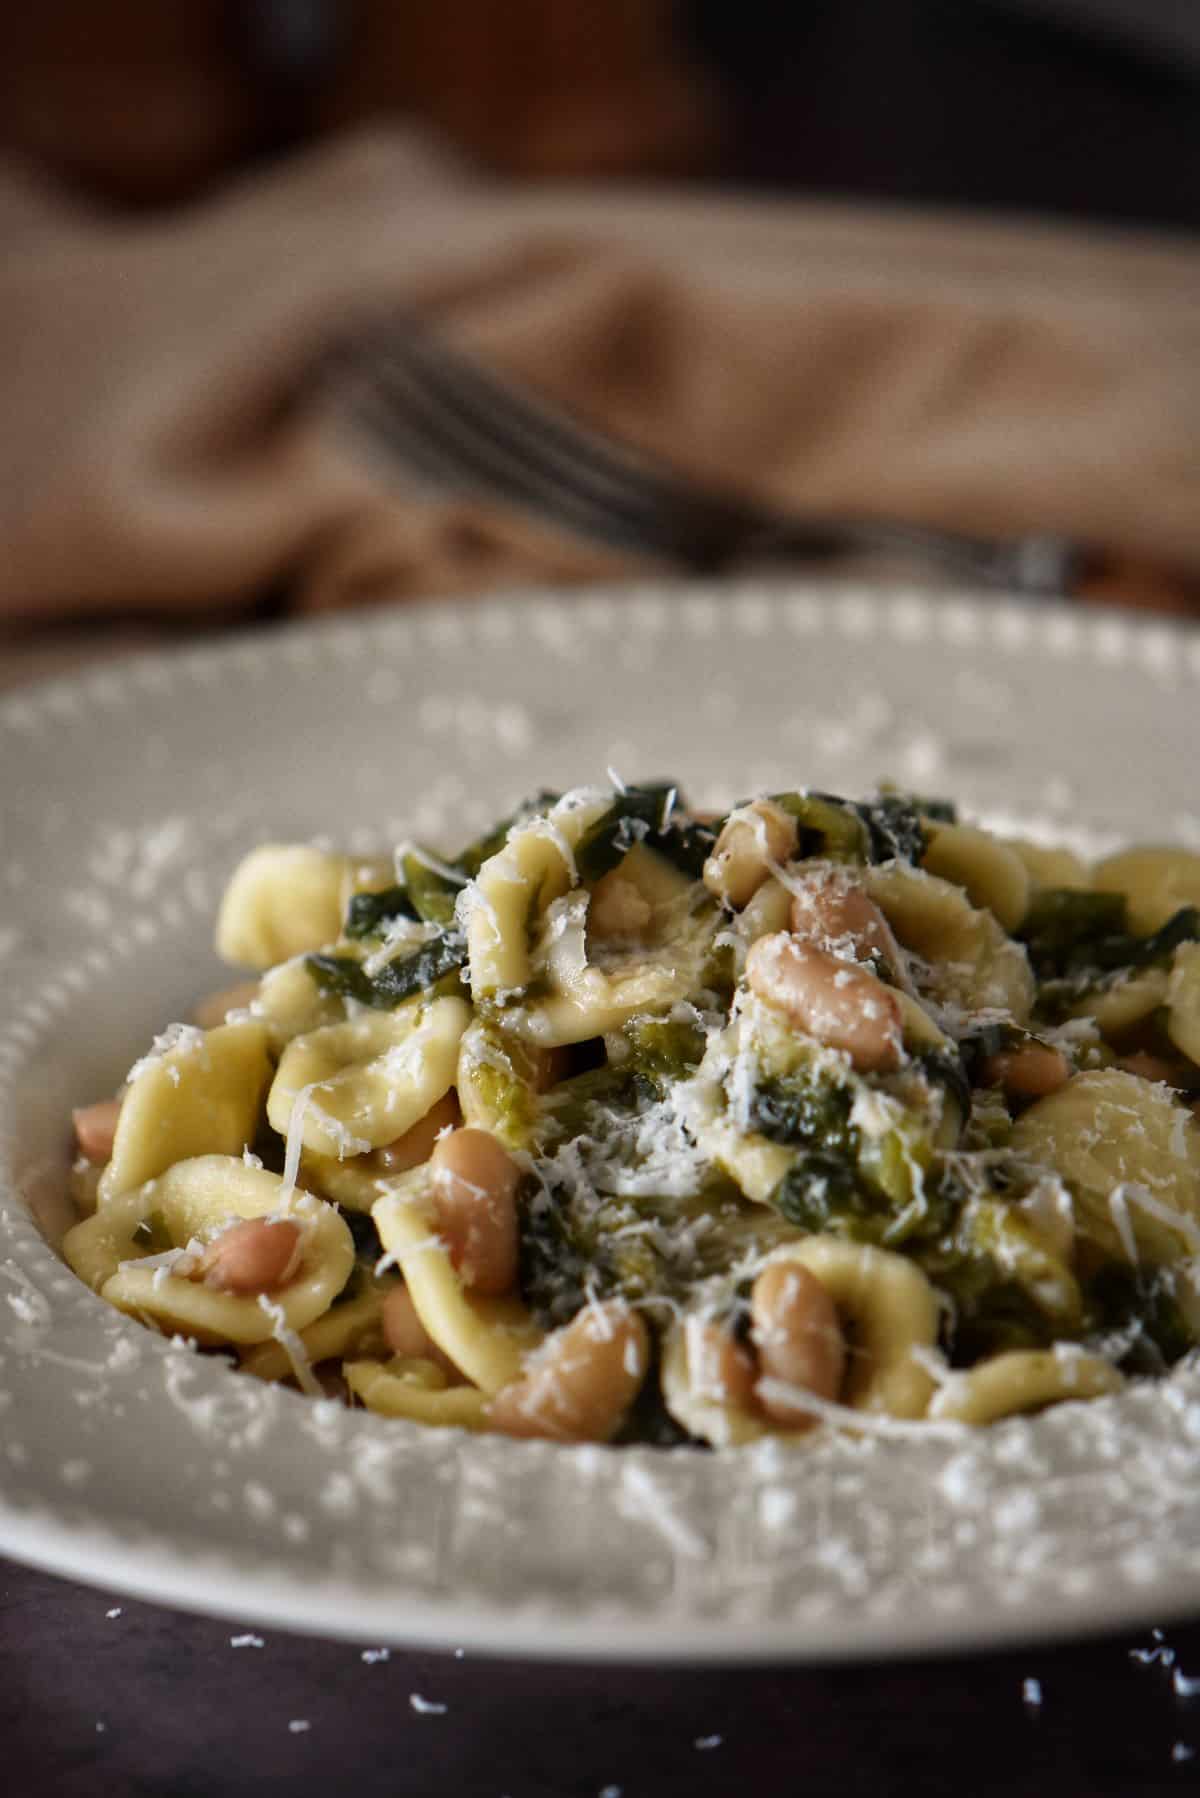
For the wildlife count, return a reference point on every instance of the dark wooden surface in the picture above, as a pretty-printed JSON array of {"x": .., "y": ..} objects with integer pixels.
[{"x": 153, "y": 1703}]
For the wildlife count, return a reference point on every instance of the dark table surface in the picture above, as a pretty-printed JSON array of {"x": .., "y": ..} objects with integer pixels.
[{"x": 104, "y": 1695}]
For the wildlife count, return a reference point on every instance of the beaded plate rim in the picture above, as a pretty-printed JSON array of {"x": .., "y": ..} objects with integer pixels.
[{"x": 695, "y": 1557}]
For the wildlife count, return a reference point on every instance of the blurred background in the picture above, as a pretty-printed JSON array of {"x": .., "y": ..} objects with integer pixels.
[
  {"x": 952, "y": 362},
  {"x": 1083, "y": 108}
]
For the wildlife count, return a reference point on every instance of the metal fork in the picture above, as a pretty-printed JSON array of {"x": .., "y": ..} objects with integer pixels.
[{"x": 466, "y": 429}]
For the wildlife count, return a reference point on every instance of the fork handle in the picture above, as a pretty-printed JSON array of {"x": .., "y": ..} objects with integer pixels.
[{"x": 1038, "y": 564}]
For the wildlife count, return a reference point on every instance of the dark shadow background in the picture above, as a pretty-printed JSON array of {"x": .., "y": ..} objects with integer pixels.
[
  {"x": 1081, "y": 108},
  {"x": 1066, "y": 106}
]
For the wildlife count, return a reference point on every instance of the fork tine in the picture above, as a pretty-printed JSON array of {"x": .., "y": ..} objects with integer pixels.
[
  {"x": 625, "y": 479},
  {"x": 639, "y": 497},
  {"x": 389, "y": 425},
  {"x": 442, "y": 413},
  {"x": 416, "y": 423},
  {"x": 463, "y": 426},
  {"x": 414, "y": 432},
  {"x": 416, "y": 426}
]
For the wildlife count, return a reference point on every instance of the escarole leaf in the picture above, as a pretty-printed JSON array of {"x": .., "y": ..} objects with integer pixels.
[
  {"x": 803, "y": 1111},
  {"x": 894, "y": 826},
  {"x": 431, "y": 884},
  {"x": 396, "y": 980},
  {"x": 1182, "y": 926},
  {"x": 1063, "y": 923},
  {"x": 887, "y": 828},
  {"x": 645, "y": 814},
  {"x": 1074, "y": 934},
  {"x": 942, "y": 811},
  {"x": 826, "y": 826},
  {"x": 687, "y": 845},
  {"x": 370, "y": 914},
  {"x": 483, "y": 848},
  {"x": 432, "y": 893},
  {"x": 990, "y": 1313},
  {"x": 949, "y": 1069},
  {"x": 821, "y": 1191},
  {"x": 1138, "y": 1307},
  {"x": 574, "y": 1249},
  {"x": 664, "y": 1048}
]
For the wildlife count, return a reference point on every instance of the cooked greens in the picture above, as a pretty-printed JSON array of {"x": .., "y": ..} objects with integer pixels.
[
  {"x": 654, "y": 815},
  {"x": 1082, "y": 936},
  {"x": 396, "y": 980},
  {"x": 631, "y": 1123}
]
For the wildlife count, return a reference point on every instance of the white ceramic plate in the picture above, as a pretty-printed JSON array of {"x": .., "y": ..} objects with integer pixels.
[{"x": 127, "y": 796}]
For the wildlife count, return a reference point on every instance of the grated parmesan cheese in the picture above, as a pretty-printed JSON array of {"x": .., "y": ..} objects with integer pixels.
[
  {"x": 292, "y": 1347},
  {"x": 426, "y": 1707},
  {"x": 669, "y": 1182},
  {"x": 185, "y": 1037}
]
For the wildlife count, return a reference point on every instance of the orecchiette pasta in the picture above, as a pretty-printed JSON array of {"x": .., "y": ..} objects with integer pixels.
[
  {"x": 587, "y": 997},
  {"x": 350, "y": 1327},
  {"x": 286, "y": 899},
  {"x": 768, "y": 911},
  {"x": 1154, "y": 882},
  {"x": 355, "y": 1182},
  {"x": 1022, "y": 1380},
  {"x": 201, "y": 1094},
  {"x": 290, "y": 1004},
  {"x": 514, "y": 887},
  {"x": 359, "y": 1085},
  {"x": 1057, "y": 869},
  {"x": 1130, "y": 1154},
  {"x": 892, "y": 1314},
  {"x": 1182, "y": 998},
  {"x": 991, "y": 874},
  {"x": 486, "y": 1337},
  {"x": 629, "y": 1123},
  {"x": 1118, "y": 1007},
  {"x": 400, "y": 1391},
  {"x": 976, "y": 964},
  {"x": 137, "y": 1251},
  {"x": 706, "y": 1413}
]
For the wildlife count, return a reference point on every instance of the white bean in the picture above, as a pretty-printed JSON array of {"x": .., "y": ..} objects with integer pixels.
[
  {"x": 720, "y": 1369},
  {"x": 833, "y": 911},
  {"x": 258, "y": 1254},
  {"x": 474, "y": 1181},
  {"x": 417, "y": 1144},
  {"x": 581, "y": 1382},
  {"x": 799, "y": 1340},
  {"x": 752, "y": 838},
  {"x": 95, "y": 1128},
  {"x": 1154, "y": 1067},
  {"x": 406, "y": 1335},
  {"x": 1030, "y": 1071},
  {"x": 842, "y": 1005}
]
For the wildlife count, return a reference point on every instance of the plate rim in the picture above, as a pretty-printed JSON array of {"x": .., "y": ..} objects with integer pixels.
[{"x": 90, "y": 1553}]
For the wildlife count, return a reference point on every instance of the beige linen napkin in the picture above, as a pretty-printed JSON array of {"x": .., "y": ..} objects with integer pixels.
[{"x": 164, "y": 444}]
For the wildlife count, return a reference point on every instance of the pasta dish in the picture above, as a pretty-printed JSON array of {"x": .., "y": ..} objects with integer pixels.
[{"x": 630, "y": 1123}]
